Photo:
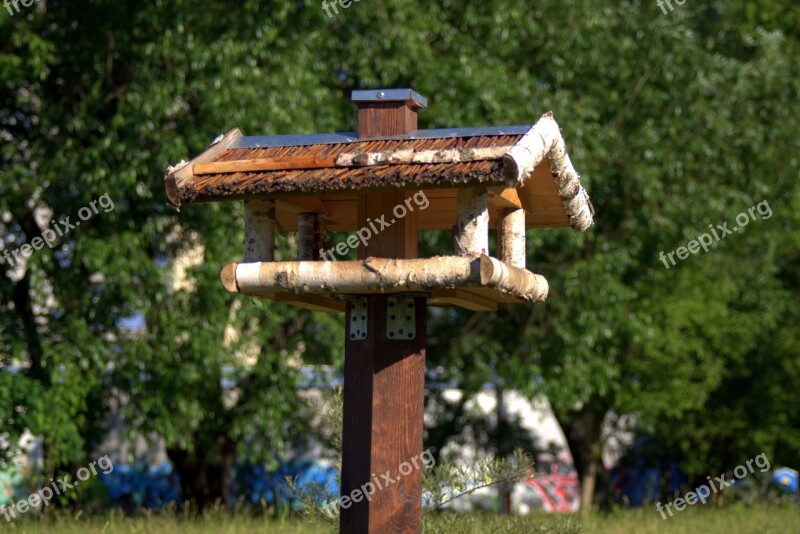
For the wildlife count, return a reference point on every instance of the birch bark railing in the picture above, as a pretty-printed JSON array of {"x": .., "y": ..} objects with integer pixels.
[{"x": 380, "y": 275}]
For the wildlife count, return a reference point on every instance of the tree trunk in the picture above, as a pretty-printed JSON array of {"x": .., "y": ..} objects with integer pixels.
[
  {"x": 204, "y": 480},
  {"x": 449, "y": 421},
  {"x": 583, "y": 432},
  {"x": 503, "y": 447}
]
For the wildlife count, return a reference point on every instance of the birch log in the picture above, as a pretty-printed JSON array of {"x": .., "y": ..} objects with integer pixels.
[
  {"x": 530, "y": 151},
  {"x": 544, "y": 141},
  {"x": 573, "y": 196},
  {"x": 259, "y": 230},
  {"x": 405, "y": 156},
  {"x": 309, "y": 236},
  {"x": 511, "y": 237},
  {"x": 381, "y": 275},
  {"x": 471, "y": 232}
]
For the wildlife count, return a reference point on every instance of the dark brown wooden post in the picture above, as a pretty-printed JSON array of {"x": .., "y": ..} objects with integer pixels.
[
  {"x": 384, "y": 372},
  {"x": 384, "y": 389}
]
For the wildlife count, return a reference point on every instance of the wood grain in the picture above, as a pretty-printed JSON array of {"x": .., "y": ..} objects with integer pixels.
[
  {"x": 383, "y": 409},
  {"x": 271, "y": 164},
  {"x": 384, "y": 393}
]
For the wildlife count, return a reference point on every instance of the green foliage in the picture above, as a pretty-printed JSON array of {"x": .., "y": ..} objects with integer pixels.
[{"x": 442, "y": 483}]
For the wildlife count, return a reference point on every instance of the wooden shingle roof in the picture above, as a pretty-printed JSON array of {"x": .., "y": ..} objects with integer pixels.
[{"x": 325, "y": 172}]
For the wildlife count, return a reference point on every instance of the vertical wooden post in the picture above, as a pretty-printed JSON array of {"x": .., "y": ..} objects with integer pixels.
[
  {"x": 259, "y": 230},
  {"x": 311, "y": 236},
  {"x": 384, "y": 392},
  {"x": 471, "y": 232},
  {"x": 511, "y": 237}
]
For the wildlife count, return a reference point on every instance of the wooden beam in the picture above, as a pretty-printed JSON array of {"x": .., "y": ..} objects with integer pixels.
[
  {"x": 399, "y": 239},
  {"x": 304, "y": 204},
  {"x": 351, "y": 159},
  {"x": 505, "y": 197},
  {"x": 461, "y": 298},
  {"x": 271, "y": 164},
  {"x": 542, "y": 143},
  {"x": 311, "y": 302},
  {"x": 181, "y": 173}
]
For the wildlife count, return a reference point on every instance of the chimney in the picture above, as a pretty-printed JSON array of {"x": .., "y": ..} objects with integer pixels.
[{"x": 387, "y": 112}]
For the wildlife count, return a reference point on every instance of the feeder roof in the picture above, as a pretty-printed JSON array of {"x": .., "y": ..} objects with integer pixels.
[{"x": 325, "y": 173}]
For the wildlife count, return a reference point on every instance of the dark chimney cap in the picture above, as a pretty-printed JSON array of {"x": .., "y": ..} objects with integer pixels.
[{"x": 390, "y": 95}]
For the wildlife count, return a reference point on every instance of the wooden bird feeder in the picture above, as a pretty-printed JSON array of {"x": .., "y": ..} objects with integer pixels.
[{"x": 507, "y": 178}]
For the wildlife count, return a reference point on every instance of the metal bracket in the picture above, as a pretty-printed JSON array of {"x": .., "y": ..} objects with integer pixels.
[
  {"x": 358, "y": 318},
  {"x": 401, "y": 318}
]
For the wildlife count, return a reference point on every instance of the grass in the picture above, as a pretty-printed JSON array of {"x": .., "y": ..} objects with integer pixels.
[{"x": 733, "y": 519}]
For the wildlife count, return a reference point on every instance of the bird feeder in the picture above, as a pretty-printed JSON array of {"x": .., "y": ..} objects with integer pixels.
[{"x": 371, "y": 183}]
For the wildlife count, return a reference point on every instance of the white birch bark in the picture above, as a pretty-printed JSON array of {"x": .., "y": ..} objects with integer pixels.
[
  {"x": 544, "y": 140},
  {"x": 259, "y": 230},
  {"x": 405, "y": 156},
  {"x": 381, "y": 275},
  {"x": 471, "y": 232},
  {"x": 511, "y": 238}
]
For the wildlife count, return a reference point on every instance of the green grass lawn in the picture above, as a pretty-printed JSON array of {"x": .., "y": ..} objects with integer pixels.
[{"x": 760, "y": 519}]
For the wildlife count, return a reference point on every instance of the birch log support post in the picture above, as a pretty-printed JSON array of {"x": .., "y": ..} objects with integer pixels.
[
  {"x": 310, "y": 237},
  {"x": 471, "y": 232},
  {"x": 511, "y": 237},
  {"x": 259, "y": 230}
]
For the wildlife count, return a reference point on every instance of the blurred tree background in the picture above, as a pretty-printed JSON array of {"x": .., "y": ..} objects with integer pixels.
[{"x": 676, "y": 121}]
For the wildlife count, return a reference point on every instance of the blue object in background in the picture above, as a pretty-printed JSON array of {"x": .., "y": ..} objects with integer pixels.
[
  {"x": 787, "y": 479},
  {"x": 152, "y": 487},
  {"x": 641, "y": 484},
  {"x": 255, "y": 484}
]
